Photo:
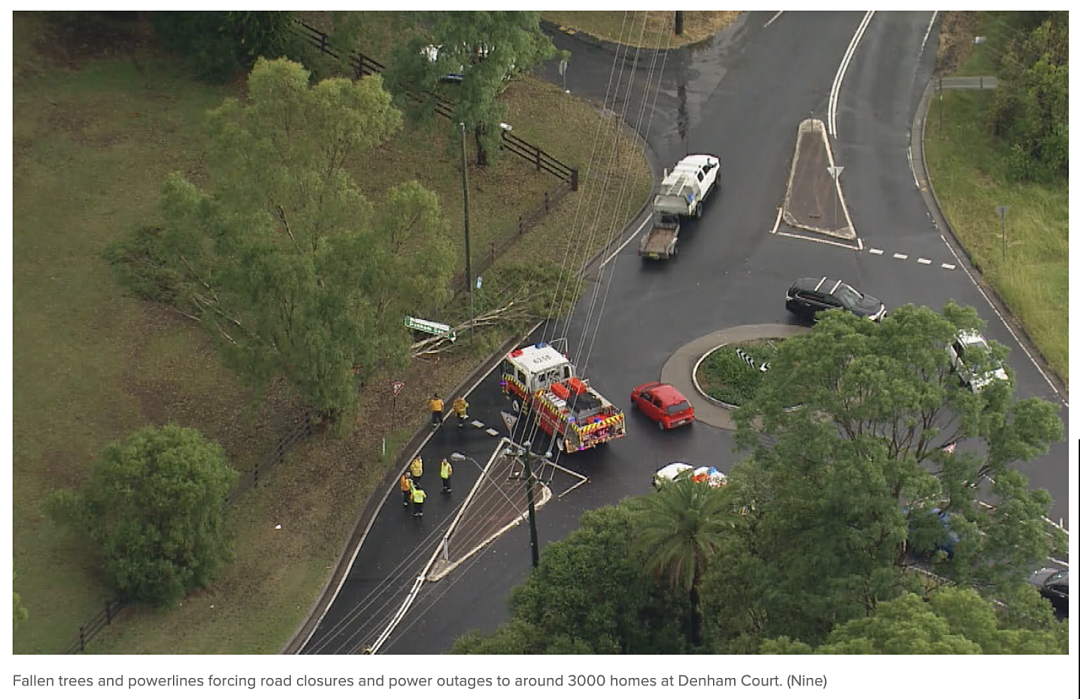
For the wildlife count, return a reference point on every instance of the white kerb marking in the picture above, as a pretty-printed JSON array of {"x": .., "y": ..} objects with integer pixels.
[
  {"x": 834, "y": 94},
  {"x": 779, "y": 213},
  {"x": 911, "y": 164},
  {"x": 774, "y": 18},
  {"x": 1006, "y": 324},
  {"x": 927, "y": 35},
  {"x": 923, "y": 261},
  {"x": 875, "y": 251},
  {"x": 818, "y": 240},
  {"x": 626, "y": 242},
  {"x": 899, "y": 255},
  {"x": 946, "y": 265}
]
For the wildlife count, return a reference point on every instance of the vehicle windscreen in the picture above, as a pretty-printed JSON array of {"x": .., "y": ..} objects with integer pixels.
[
  {"x": 848, "y": 296},
  {"x": 678, "y": 408}
]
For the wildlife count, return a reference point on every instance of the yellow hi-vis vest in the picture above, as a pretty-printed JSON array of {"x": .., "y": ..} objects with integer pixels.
[
  {"x": 444, "y": 469},
  {"x": 417, "y": 467},
  {"x": 418, "y": 495},
  {"x": 460, "y": 407}
]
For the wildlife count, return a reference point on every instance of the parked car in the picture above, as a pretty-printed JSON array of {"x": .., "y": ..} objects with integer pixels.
[
  {"x": 663, "y": 404},
  {"x": 809, "y": 295},
  {"x": 701, "y": 474},
  {"x": 1053, "y": 584},
  {"x": 970, "y": 350}
]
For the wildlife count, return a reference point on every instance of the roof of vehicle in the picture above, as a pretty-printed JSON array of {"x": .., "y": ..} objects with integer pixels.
[
  {"x": 537, "y": 358},
  {"x": 971, "y": 337},
  {"x": 671, "y": 471},
  {"x": 668, "y": 394}
]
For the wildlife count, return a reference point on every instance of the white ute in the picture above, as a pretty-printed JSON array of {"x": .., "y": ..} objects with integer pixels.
[{"x": 685, "y": 189}]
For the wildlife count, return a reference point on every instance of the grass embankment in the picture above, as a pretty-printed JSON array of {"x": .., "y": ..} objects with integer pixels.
[
  {"x": 644, "y": 29},
  {"x": 967, "y": 168},
  {"x": 93, "y": 138}
]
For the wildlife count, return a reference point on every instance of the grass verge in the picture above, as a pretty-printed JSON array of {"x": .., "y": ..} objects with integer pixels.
[
  {"x": 644, "y": 29},
  {"x": 967, "y": 169},
  {"x": 726, "y": 376},
  {"x": 94, "y": 135}
]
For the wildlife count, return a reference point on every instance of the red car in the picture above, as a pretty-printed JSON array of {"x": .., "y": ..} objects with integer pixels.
[{"x": 663, "y": 404}]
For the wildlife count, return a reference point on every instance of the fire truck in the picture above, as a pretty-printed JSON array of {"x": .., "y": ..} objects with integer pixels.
[{"x": 541, "y": 381}]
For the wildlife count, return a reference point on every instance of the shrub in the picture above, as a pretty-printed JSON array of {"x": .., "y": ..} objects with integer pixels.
[{"x": 725, "y": 376}]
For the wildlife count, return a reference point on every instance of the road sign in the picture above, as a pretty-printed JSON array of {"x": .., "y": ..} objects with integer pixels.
[
  {"x": 510, "y": 420},
  {"x": 1002, "y": 210},
  {"x": 479, "y": 281},
  {"x": 396, "y": 386},
  {"x": 430, "y": 327},
  {"x": 835, "y": 170},
  {"x": 562, "y": 67}
]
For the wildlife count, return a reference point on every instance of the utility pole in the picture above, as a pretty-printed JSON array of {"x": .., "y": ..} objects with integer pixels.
[
  {"x": 1001, "y": 211},
  {"x": 468, "y": 256},
  {"x": 532, "y": 507},
  {"x": 678, "y": 23}
]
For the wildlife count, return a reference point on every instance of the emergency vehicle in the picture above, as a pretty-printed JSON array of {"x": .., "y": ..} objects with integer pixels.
[{"x": 540, "y": 380}]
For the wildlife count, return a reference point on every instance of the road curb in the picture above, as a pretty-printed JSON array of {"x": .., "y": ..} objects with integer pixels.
[
  {"x": 941, "y": 223},
  {"x": 811, "y": 126}
]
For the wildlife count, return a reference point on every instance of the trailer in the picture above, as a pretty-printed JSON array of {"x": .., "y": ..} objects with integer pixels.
[{"x": 662, "y": 240}]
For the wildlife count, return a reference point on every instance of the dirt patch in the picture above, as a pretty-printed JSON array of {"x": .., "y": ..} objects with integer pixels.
[{"x": 957, "y": 39}]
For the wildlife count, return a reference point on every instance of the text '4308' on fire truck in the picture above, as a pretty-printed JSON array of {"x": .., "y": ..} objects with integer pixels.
[{"x": 540, "y": 380}]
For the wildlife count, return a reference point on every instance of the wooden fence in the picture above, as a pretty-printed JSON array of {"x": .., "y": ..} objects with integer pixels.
[{"x": 298, "y": 432}]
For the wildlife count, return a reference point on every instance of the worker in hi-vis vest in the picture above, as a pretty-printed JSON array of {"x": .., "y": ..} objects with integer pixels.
[
  {"x": 405, "y": 482},
  {"x": 461, "y": 407},
  {"x": 418, "y": 497},
  {"x": 445, "y": 471},
  {"x": 416, "y": 468},
  {"x": 436, "y": 410}
]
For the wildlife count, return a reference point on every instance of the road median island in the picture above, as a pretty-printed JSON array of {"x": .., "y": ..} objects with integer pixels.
[{"x": 814, "y": 200}]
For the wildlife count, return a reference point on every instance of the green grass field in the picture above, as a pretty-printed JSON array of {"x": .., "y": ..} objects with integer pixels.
[
  {"x": 967, "y": 170},
  {"x": 94, "y": 135}
]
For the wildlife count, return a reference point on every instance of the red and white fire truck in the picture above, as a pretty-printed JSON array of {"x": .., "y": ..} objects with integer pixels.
[{"x": 540, "y": 380}]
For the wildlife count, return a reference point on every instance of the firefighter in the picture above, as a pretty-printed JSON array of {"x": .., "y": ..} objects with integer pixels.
[
  {"x": 406, "y": 488},
  {"x": 445, "y": 471},
  {"x": 416, "y": 469},
  {"x": 418, "y": 497},
  {"x": 461, "y": 407},
  {"x": 436, "y": 406}
]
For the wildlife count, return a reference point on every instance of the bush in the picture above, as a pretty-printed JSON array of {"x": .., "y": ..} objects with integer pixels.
[
  {"x": 155, "y": 509},
  {"x": 222, "y": 45},
  {"x": 725, "y": 376},
  {"x": 139, "y": 266}
]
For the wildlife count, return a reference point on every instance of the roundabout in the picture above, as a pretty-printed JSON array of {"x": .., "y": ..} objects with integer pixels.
[{"x": 679, "y": 368}]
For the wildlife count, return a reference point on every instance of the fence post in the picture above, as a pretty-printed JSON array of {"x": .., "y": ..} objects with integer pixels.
[
  {"x": 82, "y": 639},
  {"x": 545, "y": 202},
  {"x": 108, "y": 613},
  {"x": 322, "y": 42},
  {"x": 537, "y": 158},
  {"x": 493, "y": 251},
  {"x": 573, "y": 180}
]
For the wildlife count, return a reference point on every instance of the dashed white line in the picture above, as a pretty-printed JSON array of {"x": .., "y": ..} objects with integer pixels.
[
  {"x": 774, "y": 18},
  {"x": 477, "y": 424},
  {"x": 946, "y": 265},
  {"x": 899, "y": 255},
  {"x": 875, "y": 251},
  {"x": 923, "y": 261},
  {"x": 492, "y": 432}
]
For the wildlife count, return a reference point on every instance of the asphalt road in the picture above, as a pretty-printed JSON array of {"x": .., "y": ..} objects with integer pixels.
[{"x": 743, "y": 97}]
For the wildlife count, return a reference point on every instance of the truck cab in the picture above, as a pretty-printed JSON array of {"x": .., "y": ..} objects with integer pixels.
[{"x": 534, "y": 367}]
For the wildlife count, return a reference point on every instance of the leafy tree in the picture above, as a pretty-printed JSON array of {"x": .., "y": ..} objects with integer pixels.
[
  {"x": 154, "y": 508},
  {"x": 288, "y": 264},
  {"x": 589, "y": 595},
  {"x": 21, "y": 614},
  {"x": 220, "y": 45},
  {"x": 953, "y": 621},
  {"x": 840, "y": 486},
  {"x": 485, "y": 48},
  {"x": 678, "y": 530}
]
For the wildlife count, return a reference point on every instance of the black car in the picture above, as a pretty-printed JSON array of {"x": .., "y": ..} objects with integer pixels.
[
  {"x": 1053, "y": 584},
  {"x": 809, "y": 295}
]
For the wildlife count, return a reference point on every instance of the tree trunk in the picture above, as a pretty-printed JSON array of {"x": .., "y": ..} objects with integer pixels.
[
  {"x": 696, "y": 621},
  {"x": 481, "y": 154}
]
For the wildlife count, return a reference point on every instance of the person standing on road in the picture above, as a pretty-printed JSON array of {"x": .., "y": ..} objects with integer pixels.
[
  {"x": 445, "y": 471},
  {"x": 418, "y": 497},
  {"x": 406, "y": 488},
  {"x": 416, "y": 469},
  {"x": 436, "y": 406},
  {"x": 461, "y": 407}
]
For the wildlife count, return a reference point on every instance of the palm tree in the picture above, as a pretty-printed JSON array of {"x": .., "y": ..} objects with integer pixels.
[{"x": 678, "y": 529}]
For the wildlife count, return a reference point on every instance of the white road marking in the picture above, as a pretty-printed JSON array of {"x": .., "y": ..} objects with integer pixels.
[
  {"x": 946, "y": 265},
  {"x": 492, "y": 432},
  {"x": 477, "y": 424},
  {"x": 779, "y": 213},
  {"x": 927, "y": 35},
  {"x": 911, "y": 164},
  {"x": 923, "y": 261},
  {"x": 625, "y": 243},
  {"x": 834, "y": 94},
  {"x": 899, "y": 255},
  {"x": 860, "y": 243},
  {"x": 774, "y": 17},
  {"x": 875, "y": 251},
  {"x": 1006, "y": 324},
  {"x": 818, "y": 240}
]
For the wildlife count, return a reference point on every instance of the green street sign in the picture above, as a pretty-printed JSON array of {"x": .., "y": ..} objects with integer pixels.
[{"x": 430, "y": 327}]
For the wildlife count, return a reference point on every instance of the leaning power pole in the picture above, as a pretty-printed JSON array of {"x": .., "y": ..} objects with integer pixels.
[
  {"x": 535, "y": 545},
  {"x": 678, "y": 23},
  {"x": 468, "y": 257}
]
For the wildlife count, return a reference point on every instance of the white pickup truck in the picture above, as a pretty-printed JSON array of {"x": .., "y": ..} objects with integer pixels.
[{"x": 685, "y": 189}]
